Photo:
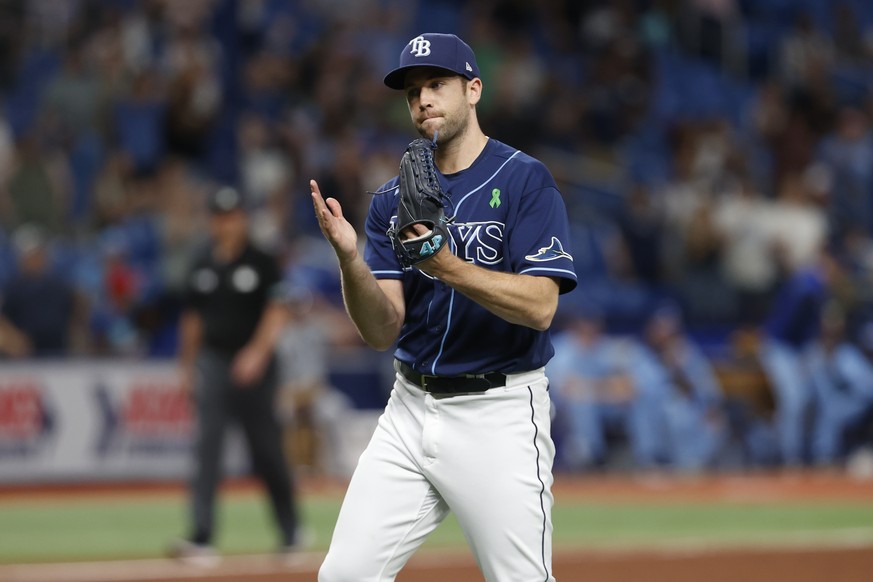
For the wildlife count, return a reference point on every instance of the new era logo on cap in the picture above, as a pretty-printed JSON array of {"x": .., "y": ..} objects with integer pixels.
[{"x": 444, "y": 51}]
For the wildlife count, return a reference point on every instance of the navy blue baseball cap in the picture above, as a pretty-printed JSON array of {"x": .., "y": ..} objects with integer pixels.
[{"x": 444, "y": 51}]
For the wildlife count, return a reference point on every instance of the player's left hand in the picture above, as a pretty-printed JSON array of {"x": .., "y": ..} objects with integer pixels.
[
  {"x": 248, "y": 366},
  {"x": 431, "y": 264}
]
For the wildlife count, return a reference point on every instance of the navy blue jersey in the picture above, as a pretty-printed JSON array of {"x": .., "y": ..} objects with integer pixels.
[{"x": 508, "y": 216}]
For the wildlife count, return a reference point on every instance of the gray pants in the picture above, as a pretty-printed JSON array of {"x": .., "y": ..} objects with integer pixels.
[{"x": 218, "y": 403}]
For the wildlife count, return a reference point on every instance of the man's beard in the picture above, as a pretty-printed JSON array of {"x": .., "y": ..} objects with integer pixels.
[{"x": 452, "y": 129}]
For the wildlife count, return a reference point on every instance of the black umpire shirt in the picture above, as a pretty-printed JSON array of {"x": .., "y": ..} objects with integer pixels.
[{"x": 231, "y": 297}]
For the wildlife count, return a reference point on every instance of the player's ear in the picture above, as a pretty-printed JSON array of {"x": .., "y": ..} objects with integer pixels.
[{"x": 474, "y": 90}]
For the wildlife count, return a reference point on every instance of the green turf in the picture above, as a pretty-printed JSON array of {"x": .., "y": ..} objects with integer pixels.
[
  {"x": 91, "y": 528},
  {"x": 589, "y": 525},
  {"x": 139, "y": 527}
]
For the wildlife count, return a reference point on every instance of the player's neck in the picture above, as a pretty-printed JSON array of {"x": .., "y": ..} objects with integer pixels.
[
  {"x": 228, "y": 249},
  {"x": 460, "y": 154}
]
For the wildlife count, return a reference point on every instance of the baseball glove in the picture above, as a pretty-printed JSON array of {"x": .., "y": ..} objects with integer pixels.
[{"x": 421, "y": 200}]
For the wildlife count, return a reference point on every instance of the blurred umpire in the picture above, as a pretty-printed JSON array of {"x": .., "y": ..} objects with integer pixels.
[{"x": 233, "y": 317}]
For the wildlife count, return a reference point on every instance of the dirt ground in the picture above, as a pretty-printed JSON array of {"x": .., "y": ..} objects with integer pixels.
[
  {"x": 750, "y": 565},
  {"x": 848, "y": 562}
]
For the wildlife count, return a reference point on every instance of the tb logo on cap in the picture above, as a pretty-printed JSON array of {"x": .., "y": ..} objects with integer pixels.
[{"x": 420, "y": 46}]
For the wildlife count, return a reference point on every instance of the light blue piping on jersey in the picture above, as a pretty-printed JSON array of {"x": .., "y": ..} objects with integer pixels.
[
  {"x": 453, "y": 248},
  {"x": 387, "y": 272},
  {"x": 482, "y": 185},
  {"x": 451, "y": 243},
  {"x": 565, "y": 271}
]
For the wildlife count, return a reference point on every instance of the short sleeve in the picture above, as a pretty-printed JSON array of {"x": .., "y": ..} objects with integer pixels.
[
  {"x": 378, "y": 252},
  {"x": 539, "y": 242}
]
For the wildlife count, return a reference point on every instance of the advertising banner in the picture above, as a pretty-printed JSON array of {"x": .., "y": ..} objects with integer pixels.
[{"x": 97, "y": 421}]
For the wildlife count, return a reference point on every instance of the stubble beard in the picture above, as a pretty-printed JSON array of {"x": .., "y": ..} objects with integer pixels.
[{"x": 453, "y": 129}]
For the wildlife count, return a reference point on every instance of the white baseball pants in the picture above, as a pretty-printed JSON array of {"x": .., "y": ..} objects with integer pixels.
[{"x": 487, "y": 457}]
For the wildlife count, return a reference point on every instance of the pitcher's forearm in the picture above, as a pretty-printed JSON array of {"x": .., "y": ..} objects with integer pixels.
[
  {"x": 377, "y": 318},
  {"x": 521, "y": 299}
]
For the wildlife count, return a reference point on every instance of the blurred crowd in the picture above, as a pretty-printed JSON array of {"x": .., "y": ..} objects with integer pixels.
[{"x": 716, "y": 156}]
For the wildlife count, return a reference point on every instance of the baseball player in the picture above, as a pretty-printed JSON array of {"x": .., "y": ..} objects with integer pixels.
[{"x": 466, "y": 428}]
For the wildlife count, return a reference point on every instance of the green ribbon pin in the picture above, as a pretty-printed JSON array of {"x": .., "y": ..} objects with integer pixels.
[{"x": 495, "y": 198}]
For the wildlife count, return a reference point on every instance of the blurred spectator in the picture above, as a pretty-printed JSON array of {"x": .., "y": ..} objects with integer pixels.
[
  {"x": 311, "y": 407},
  {"x": 709, "y": 26},
  {"x": 111, "y": 201},
  {"x": 617, "y": 92},
  {"x": 843, "y": 380},
  {"x": 72, "y": 125},
  {"x": 791, "y": 135},
  {"x": 194, "y": 96},
  {"x": 792, "y": 324},
  {"x": 113, "y": 325},
  {"x": 38, "y": 187},
  {"x": 701, "y": 286},
  {"x": 643, "y": 227},
  {"x": 748, "y": 258},
  {"x": 597, "y": 396},
  {"x": 182, "y": 223},
  {"x": 266, "y": 175},
  {"x": 72, "y": 101},
  {"x": 608, "y": 24},
  {"x": 797, "y": 224},
  {"x": 344, "y": 177},
  {"x": 849, "y": 43},
  {"x": 694, "y": 415},
  {"x": 138, "y": 121},
  {"x": 804, "y": 51},
  {"x": 847, "y": 154},
  {"x": 749, "y": 398},
  {"x": 702, "y": 160},
  {"x": 517, "y": 89},
  {"x": 42, "y": 309}
]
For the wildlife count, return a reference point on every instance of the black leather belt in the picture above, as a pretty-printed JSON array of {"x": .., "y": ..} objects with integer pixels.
[{"x": 451, "y": 384}]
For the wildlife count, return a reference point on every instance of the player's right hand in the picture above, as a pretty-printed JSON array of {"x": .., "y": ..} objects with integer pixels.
[{"x": 336, "y": 229}]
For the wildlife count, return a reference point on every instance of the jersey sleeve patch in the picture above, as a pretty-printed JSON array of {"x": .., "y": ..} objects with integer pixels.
[{"x": 550, "y": 253}]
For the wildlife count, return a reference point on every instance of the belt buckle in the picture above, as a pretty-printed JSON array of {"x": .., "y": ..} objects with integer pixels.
[{"x": 424, "y": 378}]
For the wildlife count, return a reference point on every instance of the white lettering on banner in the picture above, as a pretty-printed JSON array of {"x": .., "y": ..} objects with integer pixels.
[{"x": 157, "y": 408}]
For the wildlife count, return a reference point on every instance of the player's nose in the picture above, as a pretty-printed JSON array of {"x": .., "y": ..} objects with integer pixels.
[{"x": 425, "y": 98}]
